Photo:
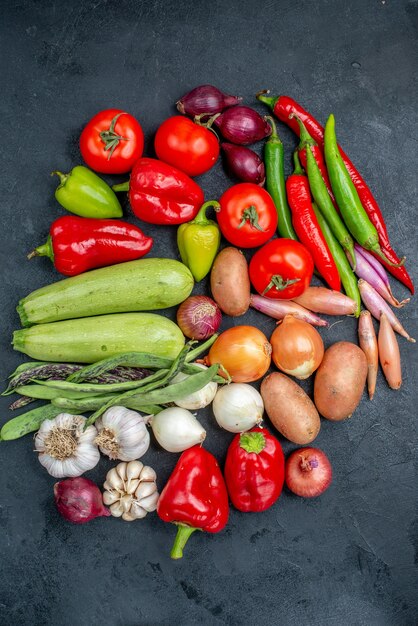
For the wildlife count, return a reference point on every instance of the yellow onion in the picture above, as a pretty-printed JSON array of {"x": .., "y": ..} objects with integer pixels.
[
  {"x": 244, "y": 351},
  {"x": 297, "y": 347}
]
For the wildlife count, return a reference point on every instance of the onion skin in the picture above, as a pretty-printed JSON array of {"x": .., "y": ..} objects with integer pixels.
[
  {"x": 205, "y": 99},
  {"x": 389, "y": 355},
  {"x": 79, "y": 500},
  {"x": 308, "y": 472},
  {"x": 326, "y": 301},
  {"x": 242, "y": 125},
  {"x": 367, "y": 272},
  {"x": 368, "y": 343},
  {"x": 199, "y": 317},
  {"x": 298, "y": 348},
  {"x": 278, "y": 309},
  {"x": 377, "y": 305},
  {"x": 244, "y": 163},
  {"x": 244, "y": 351}
]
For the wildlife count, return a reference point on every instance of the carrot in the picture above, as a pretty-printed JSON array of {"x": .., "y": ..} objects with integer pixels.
[
  {"x": 368, "y": 343},
  {"x": 390, "y": 358}
]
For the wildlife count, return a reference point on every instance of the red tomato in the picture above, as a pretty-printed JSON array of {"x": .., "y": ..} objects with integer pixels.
[
  {"x": 111, "y": 142},
  {"x": 247, "y": 216},
  {"x": 281, "y": 269},
  {"x": 191, "y": 148}
]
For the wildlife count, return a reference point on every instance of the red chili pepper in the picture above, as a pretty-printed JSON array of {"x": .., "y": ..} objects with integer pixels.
[
  {"x": 306, "y": 225},
  {"x": 161, "y": 194},
  {"x": 254, "y": 470},
  {"x": 283, "y": 107},
  {"x": 77, "y": 244},
  {"x": 194, "y": 498}
]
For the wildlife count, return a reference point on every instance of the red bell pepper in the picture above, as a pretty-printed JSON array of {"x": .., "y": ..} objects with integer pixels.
[
  {"x": 307, "y": 227},
  {"x": 77, "y": 244},
  {"x": 254, "y": 470},
  {"x": 161, "y": 194},
  {"x": 283, "y": 107},
  {"x": 194, "y": 498}
]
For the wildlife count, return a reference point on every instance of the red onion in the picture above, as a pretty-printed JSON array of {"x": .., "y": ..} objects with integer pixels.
[
  {"x": 199, "y": 317},
  {"x": 244, "y": 163},
  {"x": 376, "y": 305},
  {"x": 279, "y": 308},
  {"x": 242, "y": 125},
  {"x": 380, "y": 270},
  {"x": 79, "y": 500},
  {"x": 308, "y": 472},
  {"x": 205, "y": 99}
]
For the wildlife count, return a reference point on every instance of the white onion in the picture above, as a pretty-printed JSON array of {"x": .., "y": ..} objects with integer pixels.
[
  {"x": 198, "y": 399},
  {"x": 238, "y": 407},
  {"x": 177, "y": 429}
]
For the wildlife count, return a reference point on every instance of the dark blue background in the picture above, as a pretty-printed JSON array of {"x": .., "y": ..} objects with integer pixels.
[{"x": 346, "y": 558}]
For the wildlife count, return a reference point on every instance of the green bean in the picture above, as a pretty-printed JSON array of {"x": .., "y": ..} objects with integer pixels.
[
  {"x": 41, "y": 371},
  {"x": 97, "y": 388},
  {"x": 41, "y": 392},
  {"x": 87, "y": 404},
  {"x": 28, "y": 422}
]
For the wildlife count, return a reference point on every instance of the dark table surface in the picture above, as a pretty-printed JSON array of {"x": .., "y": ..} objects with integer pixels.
[{"x": 348, "y": 557}]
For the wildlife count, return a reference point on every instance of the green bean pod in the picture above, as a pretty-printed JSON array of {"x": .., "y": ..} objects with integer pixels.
[
  {"x": 323, "y": 200},
  {"x": 347, "y": 275},
  {"x": 355, "y": 217},
  {"x": 275, "y": 181},
  {"x": 28, "y": 422},
  {"x": 41, "y": 392},
  {"x": 96, "y": 402}
]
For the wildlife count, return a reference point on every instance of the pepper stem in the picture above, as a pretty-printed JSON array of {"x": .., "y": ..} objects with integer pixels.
[
  {"x": 279, "y": 283},
  {"x": 44, "y": 250},
  {"x": 252, "y": 442},
  {"x": 377, "y": 250},
  {"x": 201, "y": 216},
  {"x": 262, "y": 97},
  {"x": 182, "y": 537},
  {"x": 121, "y": 187},
  {"x": 272, "y": 123},
  {"x": 63, "y": 177},
  {"x": 304, "y": 136},
  {"x": 298, "y": 168}
]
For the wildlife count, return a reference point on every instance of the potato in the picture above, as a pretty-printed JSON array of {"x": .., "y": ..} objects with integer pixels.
[
  {"x": 230, "y": 283},
  {"x": 340, "y": 380},
  {"x": 290, "y": 410}
]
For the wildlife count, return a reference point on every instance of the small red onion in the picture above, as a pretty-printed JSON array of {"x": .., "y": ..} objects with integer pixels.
[
  {"x": 242, "y": 125},
  {"x": 199, "y": 317},
  {"x": 205, "y": 99},
  {"x": 380, "y": 270},
  {"x": 376, "y": 305},
  {"x": 278, "y": 309},
  {"x": 244, "y": 163},
  {"x": 308, "y": 472},
  {"x": 79, "y": 500}
]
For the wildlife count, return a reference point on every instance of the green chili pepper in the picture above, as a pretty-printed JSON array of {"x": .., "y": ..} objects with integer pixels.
[
  {"x": 347, "y": 197},
  {"x": 348, "y": 279},
  {"x": 84, "y": 193},
  {"x": 275, "y": 182},
  {"x": 198, "y": 242},
  {"x": 324, "y": 202}
]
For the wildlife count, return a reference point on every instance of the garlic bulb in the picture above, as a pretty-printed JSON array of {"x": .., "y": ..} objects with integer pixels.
[
  {"x": 131, "y": 490},
  {"x": 65, "y": 448},
  {"x": 177, "y": 429},
  {"x": 198, "y": 399},
  {"x": 237, "y": 407},
  {"x": 122, "y": 434}
]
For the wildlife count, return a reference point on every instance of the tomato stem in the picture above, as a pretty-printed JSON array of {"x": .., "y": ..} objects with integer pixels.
[
  {"x": 110, "y": 138},
  {"x": 250, "y": 214},
  {"x": 279, "y": 283}
]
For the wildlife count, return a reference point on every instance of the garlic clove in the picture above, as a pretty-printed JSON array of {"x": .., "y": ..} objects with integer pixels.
[
  {"x": 148, "y": 474},
  {"x": 126, "y": 502},
  {"x": 114, "y": 480},
  {"x": 150, "y": 503},
  {"x": 134, "y": 469},
  {"x": 121, "y": 470},
  {"x": 145, "y": 489},
  {"x": 110, "y": 497},
  {"x": 116, "y": 509},
  {"x": 132, "y": 485},
  {"x": 138, "y": 511},
  {"x": 128, "y": 517}
]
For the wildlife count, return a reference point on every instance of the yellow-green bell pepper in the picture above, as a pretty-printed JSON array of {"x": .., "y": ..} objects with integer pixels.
[{"x": 198, "y": 242}]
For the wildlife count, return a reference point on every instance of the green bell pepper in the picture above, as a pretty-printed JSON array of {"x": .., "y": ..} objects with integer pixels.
[
  {"x": 198, "y": 242},
  {"x": 84, "y": 193}
]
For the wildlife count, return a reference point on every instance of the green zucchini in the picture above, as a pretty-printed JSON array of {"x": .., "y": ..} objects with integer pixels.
[
  {"x": 91, "y": 339},
  {"x": 142, "y": 285}
]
